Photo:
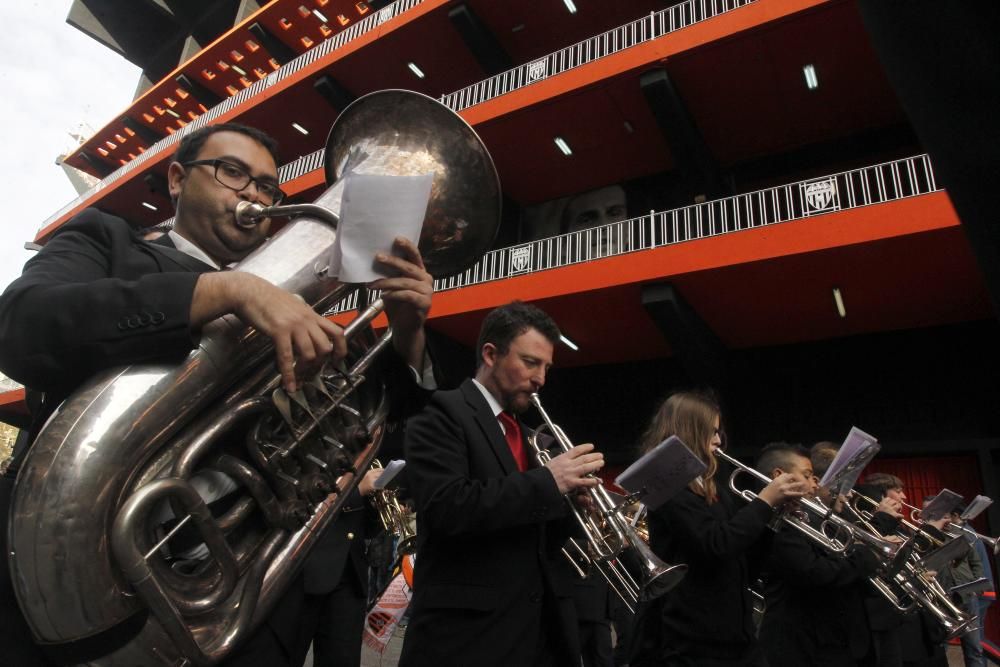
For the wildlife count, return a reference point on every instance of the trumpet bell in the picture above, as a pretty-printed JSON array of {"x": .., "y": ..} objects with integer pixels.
[{"x": 662, "y": 579}]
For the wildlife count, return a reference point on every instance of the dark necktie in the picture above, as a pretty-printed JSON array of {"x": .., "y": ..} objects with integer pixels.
[{"x": 512, "y": 432}]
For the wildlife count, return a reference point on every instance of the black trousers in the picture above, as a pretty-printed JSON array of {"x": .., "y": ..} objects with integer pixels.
[{"x": 334, "y": 623}]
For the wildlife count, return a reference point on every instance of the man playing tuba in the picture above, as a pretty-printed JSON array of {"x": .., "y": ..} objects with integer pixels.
[{"x": 98, "y": 296}]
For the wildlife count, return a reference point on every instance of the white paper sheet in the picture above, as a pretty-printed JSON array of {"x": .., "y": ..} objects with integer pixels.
[
  {"x": 391, "y": 470},
  {"x": 375, "y": 210},
  {"x": 858, "y": 450},
  {"x": 661, "y": 473}
]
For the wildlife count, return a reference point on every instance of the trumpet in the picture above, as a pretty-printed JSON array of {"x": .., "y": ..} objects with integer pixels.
[
  {"x": 394, "y": 518},
  {"x": 794, "y": 514},
  {"x": 960, "y": 530},
  {"x": 613, "y": 547},
  {"x": 906, "y": 583},
  {"x": 919, "y": 539},
  {"x": 953, "y": 529}
]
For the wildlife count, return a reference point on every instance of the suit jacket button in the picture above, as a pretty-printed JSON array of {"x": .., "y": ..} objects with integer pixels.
[
  {"x": 535, "y": 596},
  {"x": 157, "y": 318},
  {"x": 122, "y": 324},
  {"x": 144, "y": 319}
]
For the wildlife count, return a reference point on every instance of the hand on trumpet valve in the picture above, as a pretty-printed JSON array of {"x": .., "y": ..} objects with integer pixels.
[
  {"x": 890, "y": 506},
  {"x": 572, "y": 469},
  {"x": 783, "y": 488}
]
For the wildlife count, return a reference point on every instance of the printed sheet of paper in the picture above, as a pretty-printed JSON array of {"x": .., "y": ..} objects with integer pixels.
[
  {"x": 976, "y": 507},
  {"x": 944, "y": 502},
  {"x": 662, "y": 472},
  {"x": 384, "y": 480},
  {"x": 858, "y": 450},
  {"x": 946, "y": 554},
  {"x": 375, "y": 210}
]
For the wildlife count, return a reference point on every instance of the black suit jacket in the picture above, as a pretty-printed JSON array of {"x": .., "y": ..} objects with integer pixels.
[
  {"x": 710, "y": 612},
  {"x": 94, "y": 297},
  {"x": 489, "y": 575},
  {"x": 815, "y": 603}
]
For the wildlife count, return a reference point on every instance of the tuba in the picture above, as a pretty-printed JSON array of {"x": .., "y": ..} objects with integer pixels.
[{"x": 110, "y": 484}]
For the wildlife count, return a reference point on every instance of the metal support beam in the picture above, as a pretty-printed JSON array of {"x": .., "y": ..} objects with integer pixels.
[
  {"x": 480, "y": 41},
  {"x": 335, "y": 94},
  {"x": 698, "y": 351},
  {"x": 694, "y": 162},
  {"x": 278, "y": 49},
  {"x": 144, "y": 132},
  {"x": 97, "y": 165},
  {"x": 200, "y": 92}
]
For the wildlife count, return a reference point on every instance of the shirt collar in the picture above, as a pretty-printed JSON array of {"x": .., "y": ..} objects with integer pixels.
[
  {"x": 494, "y": 406},
  {"x": 191, "y": 249}
]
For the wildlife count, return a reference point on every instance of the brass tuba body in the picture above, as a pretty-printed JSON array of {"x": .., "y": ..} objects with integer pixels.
[{"x": 88, "y": 537}]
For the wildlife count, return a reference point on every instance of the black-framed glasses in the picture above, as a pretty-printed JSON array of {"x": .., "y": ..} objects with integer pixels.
[{"x": 235, "y": 177}]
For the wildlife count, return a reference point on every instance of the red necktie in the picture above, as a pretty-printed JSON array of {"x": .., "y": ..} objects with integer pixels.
[{"x": 512, "y": 432}]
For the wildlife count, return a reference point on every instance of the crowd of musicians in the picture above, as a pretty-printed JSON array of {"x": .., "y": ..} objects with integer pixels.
[{"x": 493, "y": 584}]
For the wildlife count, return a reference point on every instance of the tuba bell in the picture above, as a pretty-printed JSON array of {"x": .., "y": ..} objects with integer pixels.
[{"x": 109, "y": 486}]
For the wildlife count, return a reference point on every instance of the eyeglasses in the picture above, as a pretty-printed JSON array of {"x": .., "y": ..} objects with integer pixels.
[{"x": 235, "y": 177}]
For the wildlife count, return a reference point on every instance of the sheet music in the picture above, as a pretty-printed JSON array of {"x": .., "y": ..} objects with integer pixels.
[
  {"x": 858, "y": 450},
  {"x": 976, "y": 507},
  {"x": 394, "y": 467},
  {"x": 376, "y": 208},
  {"x": 944, "y": 502},
  {"x": 943, "y": 556},
  {"x": 662, "y": 472}
]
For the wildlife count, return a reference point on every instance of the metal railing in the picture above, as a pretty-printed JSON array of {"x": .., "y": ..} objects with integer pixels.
[
  {"x": 647, "y": 28},
  {"x": 322, "y": 49},
  {"x": 867, "y": 186}
]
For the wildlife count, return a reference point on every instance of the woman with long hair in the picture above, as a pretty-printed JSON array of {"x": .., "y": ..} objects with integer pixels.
[{"x": 706, "y": 621}]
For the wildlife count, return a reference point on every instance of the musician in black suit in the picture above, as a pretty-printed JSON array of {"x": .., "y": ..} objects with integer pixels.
[
  {"x": 707, "y": 620},
  {"x": 98, "y": 296},
  {"x": 815, "y": 607},
  {"x": 490, "y": 584},
  {"x": 336, "y": 585}
]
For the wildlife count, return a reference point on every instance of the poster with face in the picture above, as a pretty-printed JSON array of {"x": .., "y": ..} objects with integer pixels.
[{"x": 592, "y": 213}]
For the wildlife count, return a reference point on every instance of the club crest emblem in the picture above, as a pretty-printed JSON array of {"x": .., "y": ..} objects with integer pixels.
[
  {"x": 537, "y": 70},
  {"x": 520, "y": 259},
  {"x": 820, "y": 196}
]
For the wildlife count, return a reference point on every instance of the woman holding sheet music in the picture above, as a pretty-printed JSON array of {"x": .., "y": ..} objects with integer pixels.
[{"x": 707, "y": 619}]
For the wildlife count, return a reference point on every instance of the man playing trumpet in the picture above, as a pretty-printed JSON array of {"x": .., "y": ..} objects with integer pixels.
[{"x": 490, "y": 584}]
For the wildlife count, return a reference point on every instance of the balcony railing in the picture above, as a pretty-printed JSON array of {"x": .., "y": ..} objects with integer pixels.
[
  {"x": 648, "y": 28},
  {"x": 867, "y": 186}
]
